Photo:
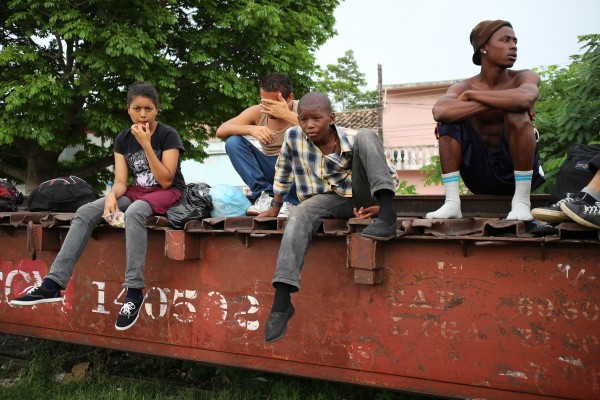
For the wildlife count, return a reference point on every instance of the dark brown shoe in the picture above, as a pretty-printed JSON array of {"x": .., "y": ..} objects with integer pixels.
[
  {"x": 379, "y": 230},
  {"x": 277, "y": 324}
]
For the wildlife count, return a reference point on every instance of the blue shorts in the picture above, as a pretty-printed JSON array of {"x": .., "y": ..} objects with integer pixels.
[{"x": 485, "y": 170}]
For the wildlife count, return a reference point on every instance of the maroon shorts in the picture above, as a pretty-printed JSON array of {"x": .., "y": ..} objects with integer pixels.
[{"x": 159, "y": 199}]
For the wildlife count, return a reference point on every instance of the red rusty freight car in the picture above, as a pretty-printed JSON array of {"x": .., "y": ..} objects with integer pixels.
[{"x": 472, "y": 308}]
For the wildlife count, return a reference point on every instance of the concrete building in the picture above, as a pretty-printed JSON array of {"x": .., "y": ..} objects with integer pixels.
[
  {"x": 215, "y": 169},
  {"x": 408, "y": 129}
]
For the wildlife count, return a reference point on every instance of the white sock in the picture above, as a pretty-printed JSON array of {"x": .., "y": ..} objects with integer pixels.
[
  {"x": 521, "y": 203},
  {"x": 451, "y": 207}
]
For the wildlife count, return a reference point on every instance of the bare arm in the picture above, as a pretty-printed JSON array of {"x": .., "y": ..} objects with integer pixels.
[
  {"x": 461, "y": 101},
  {"x": 119, "y": 186},
  {"x": 163, "y": 170},
  {"x": 519, "y": 99},
  {"x": 246, "y": 124},
  {"x": 448, "y": 108}
]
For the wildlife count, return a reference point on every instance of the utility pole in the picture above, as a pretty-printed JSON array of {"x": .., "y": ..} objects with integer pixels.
[{"x": 380, "y": 107}]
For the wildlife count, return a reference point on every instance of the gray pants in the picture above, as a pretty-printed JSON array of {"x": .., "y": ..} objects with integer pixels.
[
  {"x": 369, "y": 174},
  {"x": 86, "y": 219}
]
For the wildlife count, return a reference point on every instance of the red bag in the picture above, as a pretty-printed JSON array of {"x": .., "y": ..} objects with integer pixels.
[{"x": 10, "y": 197}]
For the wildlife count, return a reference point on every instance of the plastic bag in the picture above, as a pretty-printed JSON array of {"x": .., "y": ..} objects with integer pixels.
[
  {"x": 228, "y": 201},
  {"x": 195, "y": 203},
  {"x": 116, "y": 219}
]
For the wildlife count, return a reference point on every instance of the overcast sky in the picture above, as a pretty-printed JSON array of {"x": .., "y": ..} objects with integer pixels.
[{"x": 428, "y": 40}]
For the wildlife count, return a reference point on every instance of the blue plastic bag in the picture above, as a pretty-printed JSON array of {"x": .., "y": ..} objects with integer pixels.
[{"x": 228, "y": 201}]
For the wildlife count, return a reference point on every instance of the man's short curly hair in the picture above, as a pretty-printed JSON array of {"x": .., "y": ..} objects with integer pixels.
[{"x": 275, "y": 82}]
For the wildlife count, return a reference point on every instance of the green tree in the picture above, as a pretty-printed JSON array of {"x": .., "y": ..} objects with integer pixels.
[
  {"x": 343, "y": 81},
  {"x": 568, "y": 109},
  {"x": 432, "y": 172},
  {"x": 432, "y": 175},
  {"x": 65, "y": 66},
  {"x": 405, "y": 188}
]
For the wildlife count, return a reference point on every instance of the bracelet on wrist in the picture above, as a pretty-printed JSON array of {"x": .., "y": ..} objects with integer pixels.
[{"x": 277, "y": 203}]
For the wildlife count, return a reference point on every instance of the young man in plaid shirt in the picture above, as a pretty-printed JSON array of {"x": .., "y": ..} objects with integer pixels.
[{"x": 338, "y": 174}]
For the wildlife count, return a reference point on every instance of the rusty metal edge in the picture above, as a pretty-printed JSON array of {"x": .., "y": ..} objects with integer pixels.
[{"x": 276, "y": 365}]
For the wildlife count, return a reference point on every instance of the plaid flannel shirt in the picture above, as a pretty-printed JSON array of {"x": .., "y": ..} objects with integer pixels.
[{"x": 302, "y": 161}]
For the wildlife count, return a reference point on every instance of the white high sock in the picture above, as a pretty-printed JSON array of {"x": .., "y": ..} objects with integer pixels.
[
  {"x": 451, "y": 207},
  {"x": 521, "y": 203}
]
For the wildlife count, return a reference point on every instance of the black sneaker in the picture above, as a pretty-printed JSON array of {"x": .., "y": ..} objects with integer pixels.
[
  {"x": 129, "y": 314},
  {"x": 553, "y": 214},
  {"x": 37, "y": 295},
  {"x": 584, "y": 213}
]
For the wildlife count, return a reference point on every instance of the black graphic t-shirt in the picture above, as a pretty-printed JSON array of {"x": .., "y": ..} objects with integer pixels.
[{"x": 163, "y": 138}]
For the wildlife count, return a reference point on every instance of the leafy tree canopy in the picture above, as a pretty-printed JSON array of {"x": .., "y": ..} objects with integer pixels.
[
  {"x": 65, "y": 67},
  {"x": 568, "y": 109},
  {"x": 343, "y": 81}
]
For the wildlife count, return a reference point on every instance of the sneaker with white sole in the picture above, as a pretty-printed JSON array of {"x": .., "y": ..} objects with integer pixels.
[
  {"x": 553, "y": 213},
  {"x": 37, "y": 295},
  {"x": 129, "y": 314},
  {"x": 583, "y": 213},
  {"x": 262, "y": 204},
  {"x": 284, "y": 211}
]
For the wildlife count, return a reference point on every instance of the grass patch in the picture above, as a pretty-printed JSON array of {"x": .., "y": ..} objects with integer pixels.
[{"x": 116, "y": 375}]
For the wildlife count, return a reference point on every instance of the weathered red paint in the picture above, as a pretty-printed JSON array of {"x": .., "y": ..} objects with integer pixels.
[{"x": 451, "y": 313}]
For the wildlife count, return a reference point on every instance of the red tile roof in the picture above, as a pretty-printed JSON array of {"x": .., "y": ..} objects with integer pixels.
[{"x": 356, "y": 119}]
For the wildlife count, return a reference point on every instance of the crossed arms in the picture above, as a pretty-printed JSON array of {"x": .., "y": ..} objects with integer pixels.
[{"x": 468, "y": 98}]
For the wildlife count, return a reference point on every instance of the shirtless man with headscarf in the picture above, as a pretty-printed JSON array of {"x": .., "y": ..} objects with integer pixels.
[{"x": 485, "y": 129}]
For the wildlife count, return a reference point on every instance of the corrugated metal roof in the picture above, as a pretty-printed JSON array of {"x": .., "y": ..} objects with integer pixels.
[{"x": 482, "y": 222}]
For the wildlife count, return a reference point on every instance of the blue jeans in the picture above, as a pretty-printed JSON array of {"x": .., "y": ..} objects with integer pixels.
[
  {"x": 256, "y": 169},
  {"x": 86, "y": 219},
  {"x": 369, "y": 174}
]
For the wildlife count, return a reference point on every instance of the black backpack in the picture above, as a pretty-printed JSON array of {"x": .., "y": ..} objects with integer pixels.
[
  {"x": 575, "y": 173},
  {"x": 10, "y": 197},
  {"x": 64, "y": 194}
]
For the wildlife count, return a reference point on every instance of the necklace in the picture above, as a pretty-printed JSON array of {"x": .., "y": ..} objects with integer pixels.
[{"x": 335, "y": 142}]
